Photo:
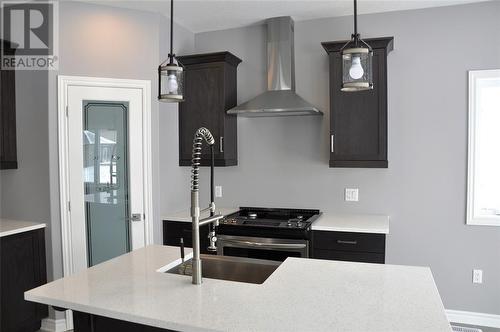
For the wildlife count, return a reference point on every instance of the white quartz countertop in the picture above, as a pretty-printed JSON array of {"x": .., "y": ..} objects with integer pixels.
[
  {"x": 301, "y": 295},
  {"x": 10, "y": 227},
  {"x": 358, "y": 223},
  {"x": 185, "y": 215}
]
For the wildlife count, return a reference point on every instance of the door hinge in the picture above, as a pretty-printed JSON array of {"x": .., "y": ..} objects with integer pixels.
[
  {"x": 67, "y": 112},
  {"x": 69, "y": 206}
]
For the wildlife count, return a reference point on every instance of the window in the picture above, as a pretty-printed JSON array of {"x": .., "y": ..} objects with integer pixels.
[{"x": 483, "y": 192}]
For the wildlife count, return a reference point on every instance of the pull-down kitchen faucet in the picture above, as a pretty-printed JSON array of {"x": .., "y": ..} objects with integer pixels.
[{"x": 200, "y": 135}]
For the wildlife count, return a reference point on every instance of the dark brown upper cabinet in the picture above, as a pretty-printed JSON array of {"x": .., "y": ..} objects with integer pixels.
[
  {"x": 8, "y": 146},
  {"x": 209, "y": 91},
  {"x": 358, "y": 120}
]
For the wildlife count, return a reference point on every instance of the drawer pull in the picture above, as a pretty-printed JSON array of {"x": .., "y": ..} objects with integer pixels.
[{"x": 346, "y": 242}]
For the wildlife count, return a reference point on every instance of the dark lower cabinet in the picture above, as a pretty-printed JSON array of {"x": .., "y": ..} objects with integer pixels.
[
  {"x": 23, "y": 267},
  {"x": 84, "y": 322},
  {"x": 173, "y": 231},
  {"x": 346, "y": 246}
]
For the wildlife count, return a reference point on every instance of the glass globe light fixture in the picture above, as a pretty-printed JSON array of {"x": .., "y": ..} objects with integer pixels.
[
  {"x": 171, "y": 80},
  {"x": 171, "y": 74},
  {"x": 356, "y": 62}
]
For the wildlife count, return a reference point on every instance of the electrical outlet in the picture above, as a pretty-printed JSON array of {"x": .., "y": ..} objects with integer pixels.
[
  {"x": 218, "y": 191},
  {"x": 477, "y": 276},
  {"x": 351, "y": 194}
]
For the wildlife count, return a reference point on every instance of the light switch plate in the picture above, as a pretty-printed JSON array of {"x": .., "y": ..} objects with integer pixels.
[
  {"x": 477, "y": 276},
  {"x": 218, "y": 191},
  {"x": 351, "y": 194}
]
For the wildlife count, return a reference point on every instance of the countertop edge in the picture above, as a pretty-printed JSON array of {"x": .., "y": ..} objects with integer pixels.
[
  {"x": 22, "y": 229},
  {"x": 351, "y": 230},
  {"x": 184, "y": 215},
  {"x": 138, "y": 319},
  {"x": 355, "y": 223}
]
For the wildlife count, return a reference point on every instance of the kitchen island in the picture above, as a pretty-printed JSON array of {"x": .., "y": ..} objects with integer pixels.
[{"x": 301, "y": 295}]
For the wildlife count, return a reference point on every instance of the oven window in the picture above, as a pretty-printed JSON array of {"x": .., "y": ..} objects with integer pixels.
[{"x": 273, "y": 255}]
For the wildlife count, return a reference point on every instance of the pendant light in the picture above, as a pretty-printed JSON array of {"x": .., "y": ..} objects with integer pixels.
[
  {"x": 356, "y": 61},
  {"x": 171, "y": 74}
]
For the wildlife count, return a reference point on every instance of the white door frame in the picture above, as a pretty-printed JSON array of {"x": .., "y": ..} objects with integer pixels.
[{"x": 64, "y": 82}]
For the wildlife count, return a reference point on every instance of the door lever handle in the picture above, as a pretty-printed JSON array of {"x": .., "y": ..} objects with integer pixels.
[{"x": 135, "y": 217}]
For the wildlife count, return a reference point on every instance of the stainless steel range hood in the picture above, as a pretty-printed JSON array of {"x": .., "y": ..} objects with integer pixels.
[{"x": 280, "y": 98}]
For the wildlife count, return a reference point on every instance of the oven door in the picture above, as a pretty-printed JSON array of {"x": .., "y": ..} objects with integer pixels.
[{"x": 261, "y": 248}]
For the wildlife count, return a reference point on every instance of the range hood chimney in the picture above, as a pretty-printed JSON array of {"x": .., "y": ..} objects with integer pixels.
[{"x": 280, "y": 98}]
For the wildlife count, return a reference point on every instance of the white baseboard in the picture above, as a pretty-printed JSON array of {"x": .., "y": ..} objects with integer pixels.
[
  {"x": 473, "y": 318},
  {"x": 53, "y": 325}
]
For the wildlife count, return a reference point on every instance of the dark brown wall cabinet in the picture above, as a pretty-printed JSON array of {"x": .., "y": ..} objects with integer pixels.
[
  {"x": 8, "y": 149},
  {"x": 358, "y": 120},
  {"x": 22, "y": 261},
  {"x": 210, "y": 90},
  {"x": 347, "y": 246}
]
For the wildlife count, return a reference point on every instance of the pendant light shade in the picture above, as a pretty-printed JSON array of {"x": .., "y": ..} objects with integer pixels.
[
  {"x": 356, "y": 62},
  {"x": 171, "y": 74},
  {"x": 171, "y": 77}
]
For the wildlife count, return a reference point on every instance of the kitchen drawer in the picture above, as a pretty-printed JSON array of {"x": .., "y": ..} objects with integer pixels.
[
  {"x": 351, "y": 256},
  {"x": 346, "y": 241}
]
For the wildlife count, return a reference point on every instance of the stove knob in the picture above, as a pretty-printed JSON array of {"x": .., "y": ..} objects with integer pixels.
[
  {"x": 289, "y": 223},
  {"x": 299, "y": 223}
]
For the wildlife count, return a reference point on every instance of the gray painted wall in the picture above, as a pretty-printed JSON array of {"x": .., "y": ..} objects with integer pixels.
[
  {"x": 284, "y": 161},
  {"x": 105, "y": 41}
]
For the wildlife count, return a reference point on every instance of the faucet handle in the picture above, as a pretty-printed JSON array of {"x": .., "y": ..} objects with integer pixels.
[{"x": 212, "y": 238}]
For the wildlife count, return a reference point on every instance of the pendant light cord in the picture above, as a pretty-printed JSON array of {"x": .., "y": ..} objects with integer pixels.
[
  {"x": 356, "y": 36},
  {"x": 171, "y": 55}
]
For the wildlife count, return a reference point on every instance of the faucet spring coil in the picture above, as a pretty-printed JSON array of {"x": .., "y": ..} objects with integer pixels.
[
  {"x": 201, "y": 133},
  {"x": 195, "y": 162}
]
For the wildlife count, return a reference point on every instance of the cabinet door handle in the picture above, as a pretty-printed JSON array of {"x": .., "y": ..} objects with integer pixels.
[
  {"x": 221, "y": 144},
  {"x": 331, "y": 144},
  {"x": 346, "y": 242}
]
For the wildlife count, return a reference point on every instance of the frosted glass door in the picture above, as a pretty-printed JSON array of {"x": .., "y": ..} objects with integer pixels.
[{"x": 106, "y": 188}]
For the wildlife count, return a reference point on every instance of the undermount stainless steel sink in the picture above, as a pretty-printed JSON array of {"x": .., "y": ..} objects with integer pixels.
[{"x": 249, "y": 270}]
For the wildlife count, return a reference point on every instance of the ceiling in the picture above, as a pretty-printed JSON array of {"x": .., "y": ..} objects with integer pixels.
[{"x": 209, "y": 15}]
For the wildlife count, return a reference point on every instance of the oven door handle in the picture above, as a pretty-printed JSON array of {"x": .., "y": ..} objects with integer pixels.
[{"x": 250, "y": 244}]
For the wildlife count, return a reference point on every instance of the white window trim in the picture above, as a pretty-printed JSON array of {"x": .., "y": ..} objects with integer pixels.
[{"x": 474, "y": 75}]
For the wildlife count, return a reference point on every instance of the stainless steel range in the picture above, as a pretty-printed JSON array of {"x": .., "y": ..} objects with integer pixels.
[{"x": 266, "y": 233}]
